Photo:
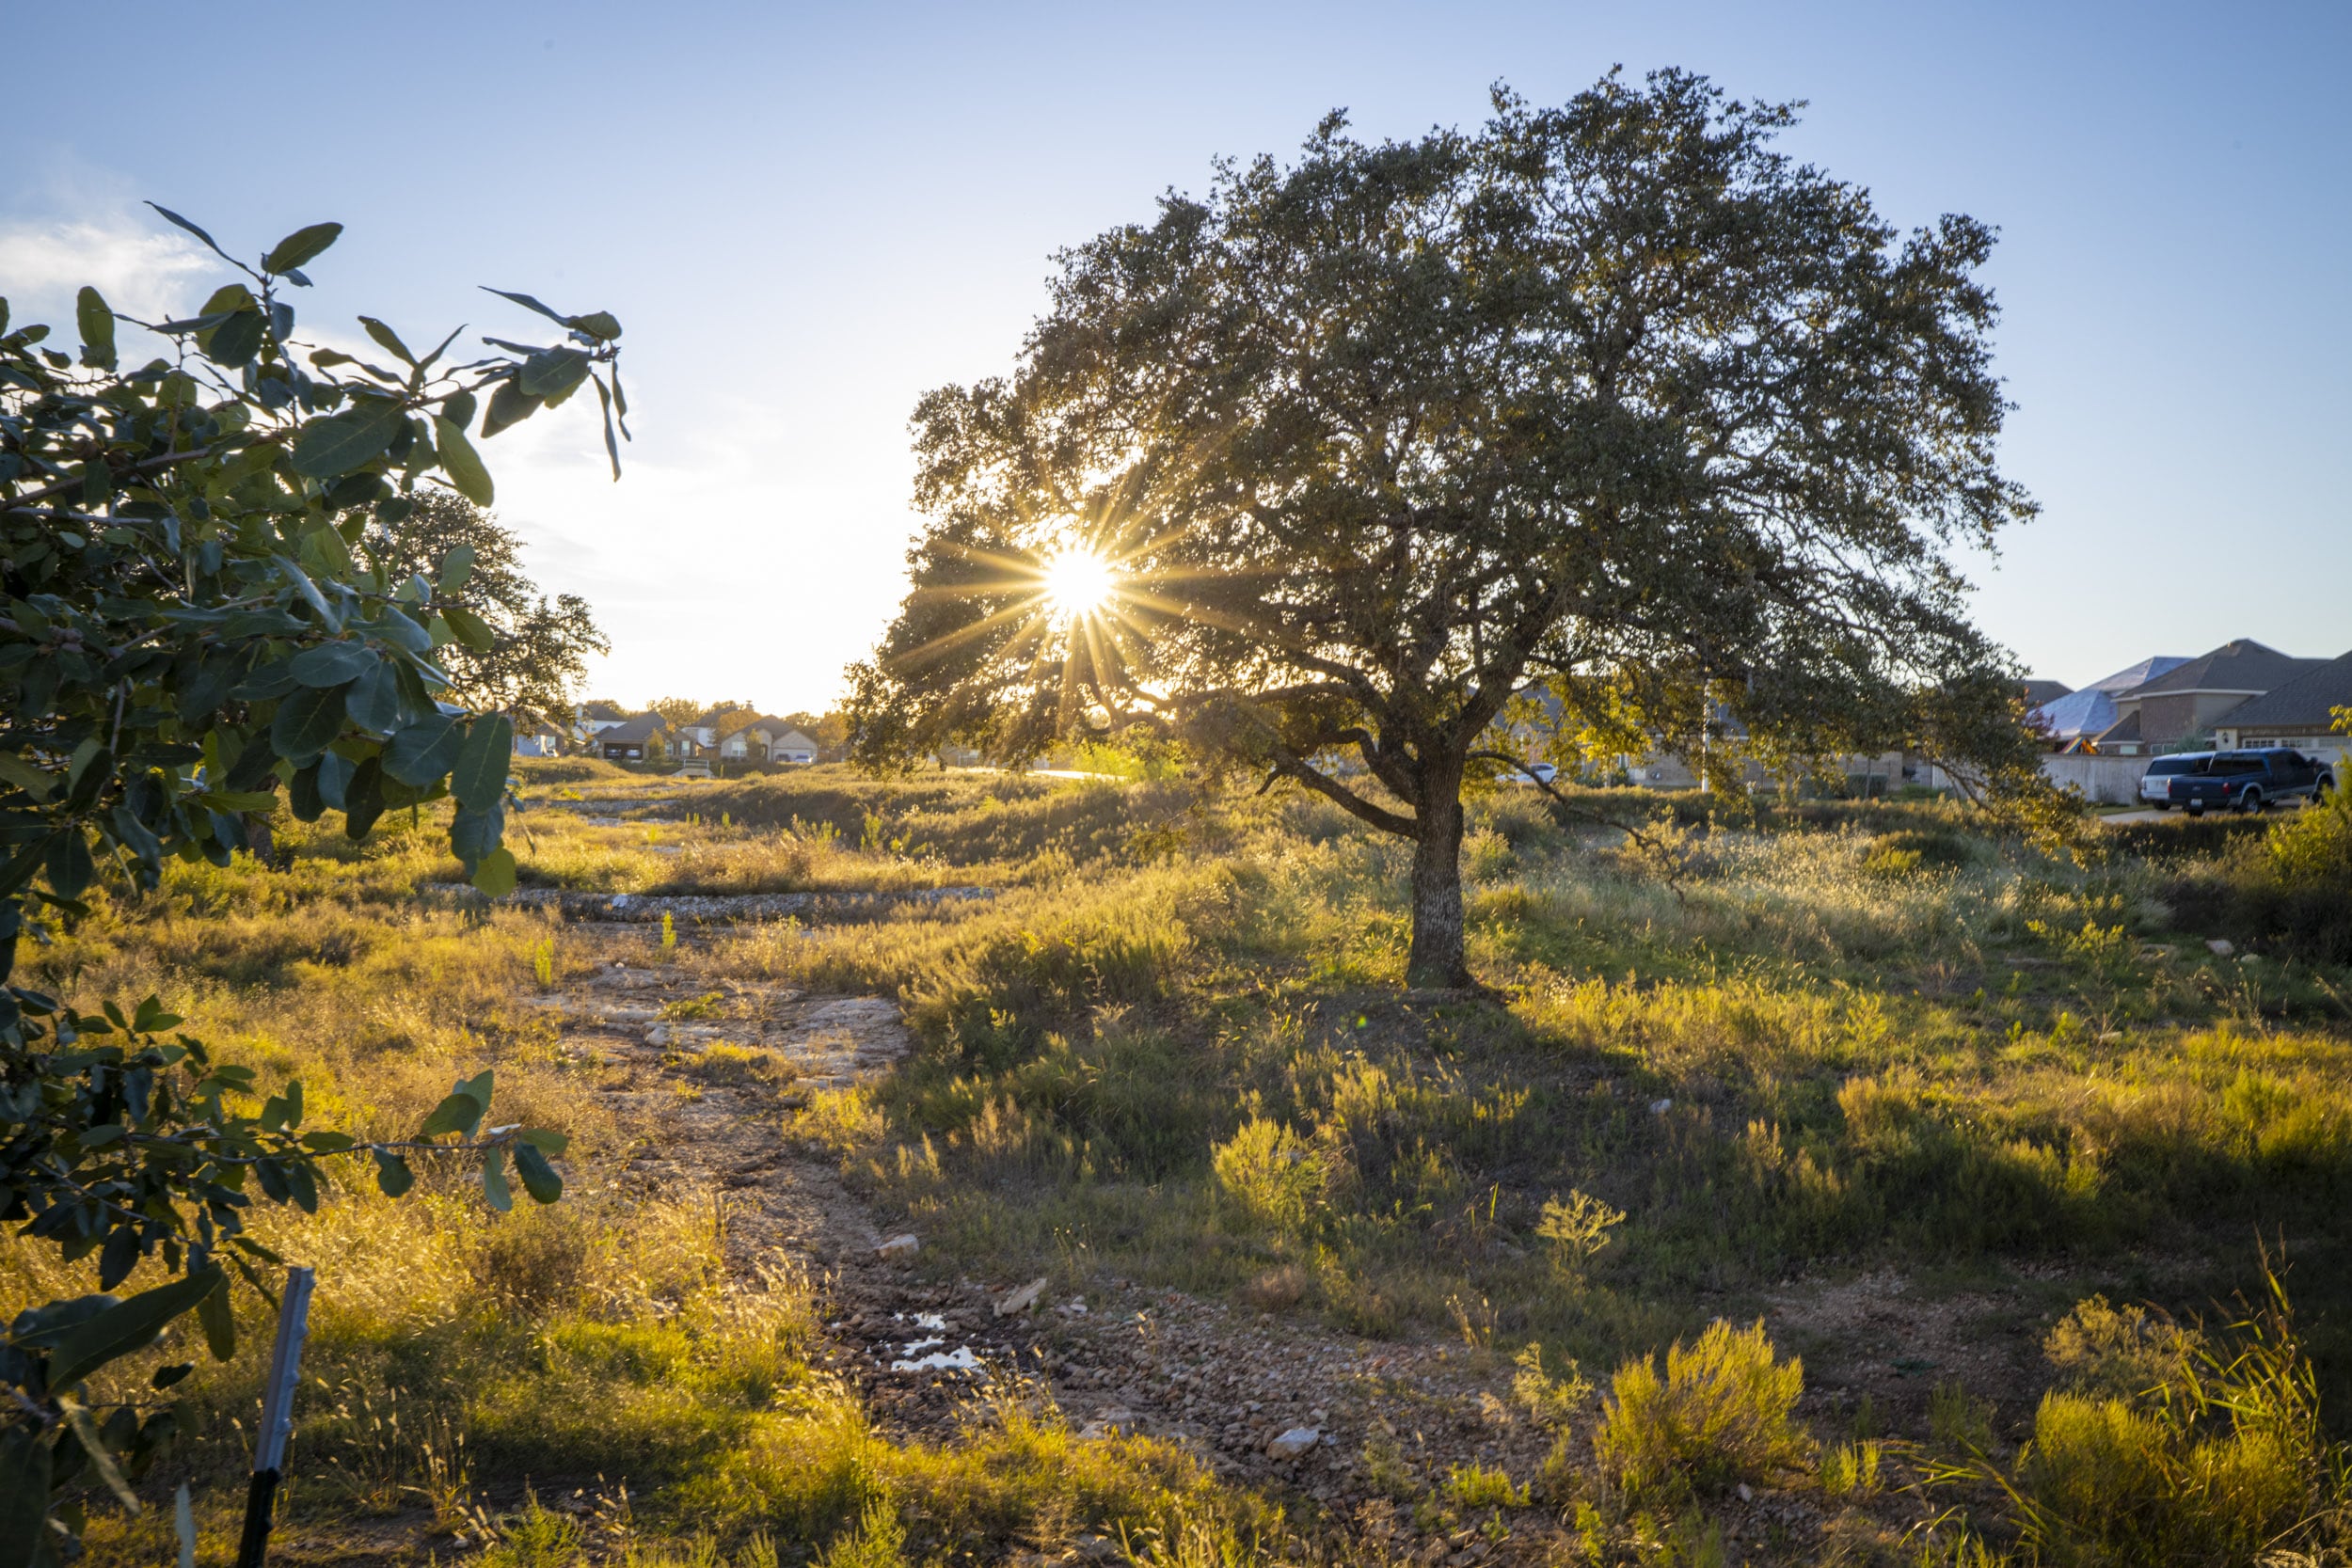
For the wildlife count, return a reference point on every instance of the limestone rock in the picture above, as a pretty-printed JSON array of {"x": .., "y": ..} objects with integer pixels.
[
  {"x": 1291, "y": 1444},
  {"x": 1021, "y": 1300}
]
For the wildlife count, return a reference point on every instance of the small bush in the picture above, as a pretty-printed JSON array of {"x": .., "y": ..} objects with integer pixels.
[
  {"x": 1721, "y": 1414},
  {"x": 1270, "y": 1174},
  {"x": 1578, "y": 1229},
  {"x": 1475, "y": 1486},
  {"x": 2221, "y": 1460},
  {"x": 742, "y": 1066},
  {"x": 2110, "y": 1355},
  {"x": 877, "y": 1540},
  {"x": 1550, "y": 1400}
]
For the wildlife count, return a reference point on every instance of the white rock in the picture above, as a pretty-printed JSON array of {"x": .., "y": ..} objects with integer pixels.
[
  {"x": 2250, "y": 957},
  {"x": 2220, "y": 948},
  {"x": 1659, "y": 1107},
  {"x": 900, "y": 1247},
  {"x": 1022, "y": 1299},
  {"x": 1746, "y": 1495},
  {"x": 1291, "y": 1444}
]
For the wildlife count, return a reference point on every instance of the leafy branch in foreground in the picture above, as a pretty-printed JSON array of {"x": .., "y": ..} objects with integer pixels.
[
  {"x": 130, "y": 1146},
  {"x": 185, "y": 631}
]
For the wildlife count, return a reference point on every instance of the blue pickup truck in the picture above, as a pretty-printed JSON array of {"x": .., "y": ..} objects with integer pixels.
[{"x": 2238, "y": 780}]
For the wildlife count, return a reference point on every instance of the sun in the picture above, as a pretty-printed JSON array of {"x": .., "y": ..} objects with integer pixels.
[{"x": 1078, "y": 583}]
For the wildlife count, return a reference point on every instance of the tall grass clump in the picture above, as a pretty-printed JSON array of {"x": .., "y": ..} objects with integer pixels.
[{"x": 2165, "y": 1443}]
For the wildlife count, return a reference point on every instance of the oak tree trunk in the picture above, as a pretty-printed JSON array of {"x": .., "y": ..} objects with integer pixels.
[{"x": 1436, "y": 960}]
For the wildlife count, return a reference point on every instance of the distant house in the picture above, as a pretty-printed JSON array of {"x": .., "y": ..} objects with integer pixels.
[
  {"x": 643, "y": 738},
  {"x": 769, "y": 740},
  {"x": 591, "y": 719},
  {"x": 538, "y": 739},
  {"x": 2294, "y": 713},
  {"x": 2176, "y": 709}
]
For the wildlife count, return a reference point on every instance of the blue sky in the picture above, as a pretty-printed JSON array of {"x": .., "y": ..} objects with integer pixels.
[{"x": 806, "y": 216}]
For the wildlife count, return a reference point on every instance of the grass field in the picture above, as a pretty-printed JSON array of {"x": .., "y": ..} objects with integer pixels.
[{"x": 1860, "y": 1073}]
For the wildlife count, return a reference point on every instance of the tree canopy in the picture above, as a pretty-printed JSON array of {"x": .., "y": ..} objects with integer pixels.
[
  {"x": 526, "y": 654},
  {"x": 1611, "y": 401},
  {"x": 676, "y": 712}
]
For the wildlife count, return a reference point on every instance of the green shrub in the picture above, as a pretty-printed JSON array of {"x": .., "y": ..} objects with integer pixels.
[
  {"x": 2220, "y": 1461},
  {"x": 1475, "y": 1486},
  {"x": 2290, "y": 888},
  {"x": 2129, "y": 1355},
  {"x": 1270, "y": 1174},
  {"x": 1723, "y": 1413},
  {"x": 1578, "y": 1229}
]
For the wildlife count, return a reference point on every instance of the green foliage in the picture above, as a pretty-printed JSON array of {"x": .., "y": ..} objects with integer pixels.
[
  {"x": 1852, "y": 1469},
  {"x": 2166, "y": 1444},
  {"x": 1958, "y": 1423},
  {"x": 1723, "y": 1413},
  {"x": 1260, "y": 614},
  {"x": 2287, "y": 887},
  {"x": 1474, "y": 1486},
  {"x": 875, "y": 1541},
  {"x": 183, "y": 630},
  {"x": 1270, "y": 1175},
  {"x": 1550, "y": 1400},
  {"x": 1578, "y": 1229}
]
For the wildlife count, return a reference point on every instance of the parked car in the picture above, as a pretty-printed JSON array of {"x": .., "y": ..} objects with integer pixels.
[
  {"x": 2250, "y": 780},
  {"x": 2156, "y": 785},
  {"x": 1537, "y": 772}
]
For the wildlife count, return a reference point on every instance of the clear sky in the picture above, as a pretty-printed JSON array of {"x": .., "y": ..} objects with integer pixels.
[{"x": 808, "y": 215}]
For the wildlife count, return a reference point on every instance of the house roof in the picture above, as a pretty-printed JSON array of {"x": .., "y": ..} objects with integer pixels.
[
  {"x": 2039, "y": 692},
  {"x": 2300, "y": 705},
  {"x": 2240, "y": 664},
  {"x": 2138, "y": 675},
  {"x": 599, "y": 708},
  {"x": 2093, "y": 710},
  {"x": 2123, "y": 729},
  {"x": 792, "y": 739},
  {"x": 644, "y": 727}
]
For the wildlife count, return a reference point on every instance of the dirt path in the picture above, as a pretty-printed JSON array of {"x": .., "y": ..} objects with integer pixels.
[{"x": 713, "y": 1066}]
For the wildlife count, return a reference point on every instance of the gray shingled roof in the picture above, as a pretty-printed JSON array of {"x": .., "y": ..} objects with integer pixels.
[
  {"x": 641, "y": 728},
  {"x": 2241, "y": 664},
  {"x": 2039, "y": 692},
  {"x": 2301, "y": 704}
]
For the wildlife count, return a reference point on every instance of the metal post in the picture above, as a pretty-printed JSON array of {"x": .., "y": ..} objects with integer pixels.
[{"x": 269, "y": 1454}]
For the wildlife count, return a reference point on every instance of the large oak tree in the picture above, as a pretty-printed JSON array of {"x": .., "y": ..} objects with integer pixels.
[{"x": 1611, "y": 401}]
